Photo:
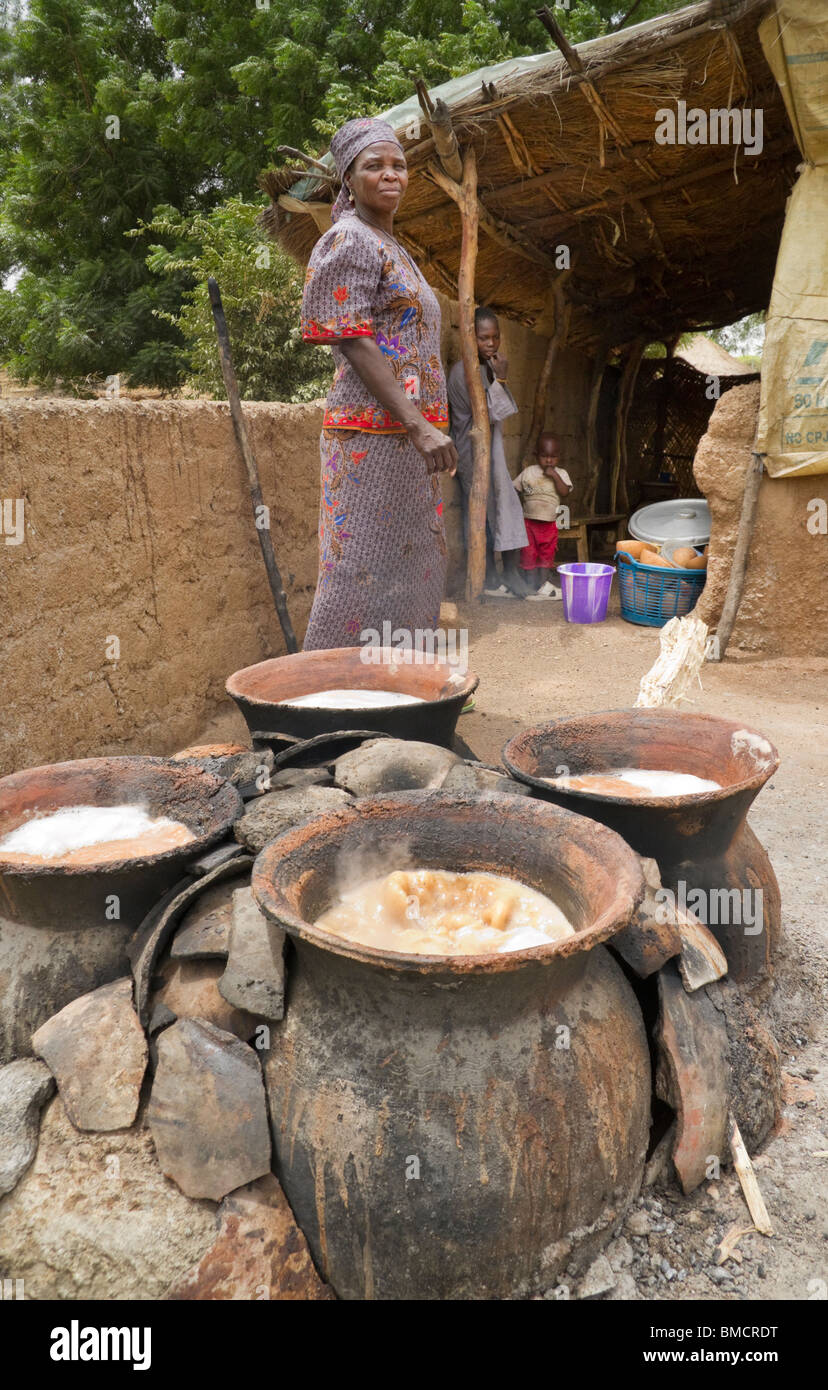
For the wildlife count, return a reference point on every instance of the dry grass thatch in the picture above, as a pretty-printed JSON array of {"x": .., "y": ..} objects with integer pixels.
[{"x": 663, "y": 238}]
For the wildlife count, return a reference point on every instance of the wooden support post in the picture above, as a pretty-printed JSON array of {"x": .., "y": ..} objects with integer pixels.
[
  {"x": 626, "y": 390},
  {"x": 465, "y": 196},
  {"x": 481, "y": 435},
  {"x": 557, "y": 339},
  {"x": 593, "y": 456},
  {"x": 438, "y": 118},
  {"x": 500, "y": 231},
  {"x": 663, "y": 407},
  {"x": 445, "y": 140}
]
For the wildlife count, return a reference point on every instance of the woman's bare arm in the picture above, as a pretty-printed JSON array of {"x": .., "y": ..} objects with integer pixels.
[{"x": 368, "y": 362}]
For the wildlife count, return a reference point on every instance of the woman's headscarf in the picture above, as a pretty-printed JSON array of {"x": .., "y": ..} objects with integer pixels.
[{"x": 347, "y": 143}]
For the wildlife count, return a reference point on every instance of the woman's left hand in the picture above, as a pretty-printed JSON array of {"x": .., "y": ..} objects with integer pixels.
[{"x": 499, "y": 365}]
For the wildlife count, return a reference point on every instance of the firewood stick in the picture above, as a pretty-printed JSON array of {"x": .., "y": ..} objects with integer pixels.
[
  {"x": 750, "y": 1186},
  {"x": 263, "y": 532}
]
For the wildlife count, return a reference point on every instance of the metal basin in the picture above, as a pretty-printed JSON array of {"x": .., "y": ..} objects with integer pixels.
[
  {"x": 456, "y": 1127},
  {"x": 700, "y": 839},
  {"x": 63, "y": 930},
  {"x": 258, "y": 691}
]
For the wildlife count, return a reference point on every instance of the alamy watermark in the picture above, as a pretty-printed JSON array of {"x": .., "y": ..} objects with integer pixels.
[
  {"x": 719, "y": 126},
  {"x": 714, "y": 906},
  {"x": 418, "y": 646}
]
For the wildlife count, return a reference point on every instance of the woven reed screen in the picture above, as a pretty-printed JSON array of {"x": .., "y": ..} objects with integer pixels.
[{"x": 688, "y": 411}]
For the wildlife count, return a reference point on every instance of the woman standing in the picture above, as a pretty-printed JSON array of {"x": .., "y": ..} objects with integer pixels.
[
  {"x": 505, "y": 527},
  {"x": 382, "y": 549}
]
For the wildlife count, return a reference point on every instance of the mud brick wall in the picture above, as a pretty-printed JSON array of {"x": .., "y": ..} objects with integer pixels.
[
  {"x": 784, "y": 608},
  {"x": 138, "y": 527}
]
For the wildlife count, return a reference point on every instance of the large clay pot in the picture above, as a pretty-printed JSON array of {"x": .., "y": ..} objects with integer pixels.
[
  {"x": 63, "y": 930},
  {"x": 440, "y": 686},
  {"x": 455, "y": 1127},
  {"x": 701, "y": 842}
]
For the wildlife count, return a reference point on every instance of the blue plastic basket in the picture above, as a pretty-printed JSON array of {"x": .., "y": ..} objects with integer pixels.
[{"x": 651, "y": 595}]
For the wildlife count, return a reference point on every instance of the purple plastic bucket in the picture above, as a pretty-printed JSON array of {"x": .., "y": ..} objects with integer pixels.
[{"x": 585, "y": 591}]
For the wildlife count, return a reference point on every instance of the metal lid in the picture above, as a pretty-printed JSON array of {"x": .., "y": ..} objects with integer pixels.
[{"x": 681, "y": 521}]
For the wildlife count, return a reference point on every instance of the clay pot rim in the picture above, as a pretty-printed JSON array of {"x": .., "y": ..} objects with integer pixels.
[
  {"x": 236, "y": 691},
  {"x": 629, "y": 884},
  {"x": 684, "y": 801},
  {"x": 212, "y": 786}
]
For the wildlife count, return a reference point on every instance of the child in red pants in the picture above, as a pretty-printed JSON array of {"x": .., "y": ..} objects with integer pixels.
[{"x": 542, "y": 486}]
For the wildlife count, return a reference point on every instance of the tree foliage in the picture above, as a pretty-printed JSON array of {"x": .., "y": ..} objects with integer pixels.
[
  {"x": 111, "y": 113},
  {"x": 261, "y": 290}
]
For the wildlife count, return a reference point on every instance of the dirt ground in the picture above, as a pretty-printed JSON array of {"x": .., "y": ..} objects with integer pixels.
[{"x": 533, "y": 666}]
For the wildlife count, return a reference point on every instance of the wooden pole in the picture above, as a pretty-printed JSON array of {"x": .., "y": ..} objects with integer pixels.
[
  {"x": 274, "y": 578},
  {"x": 500, "y": 231},
  {"x": 593, "y": 456},
  {"x": 445, "y": 140},
  {"x": 663, "y": 406},
  {"x": 325, "y": 170},
  {"x": 465, "y": 196},
  {"x": 738, "y": 567},
  {"x": 626, "y": 391},
  {"x": 563, "y": 313},
  {"x": 481, "y": 434}
]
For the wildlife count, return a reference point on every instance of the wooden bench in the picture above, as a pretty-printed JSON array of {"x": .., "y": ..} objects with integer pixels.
[{"x": 579, "y": 531}]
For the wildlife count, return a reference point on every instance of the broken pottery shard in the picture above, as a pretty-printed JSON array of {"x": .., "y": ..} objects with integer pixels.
[
  {"x": 249, "y": 767},
  {"x": 255, "y": 976},
  {"x": 239, "y": 766},
  {"x": 161, "y": 1017},
  {"x": 189, "y": 989},
  {"x": 271, "y": 815},
  {"x": 222, "y": 854},
  {"x": 702, "y": 960},
  {"x": 651, "y": 871},
  {"x": 692, "y": 1075},
  {"x": 204, "y": 929},
  {"x": 207, "y": 1112},
  {"x": 651, "y": 937},
  {"x": 259, "y": 1252},
  {"x": 394, "y": 765},
  {"x": 96, "y": 1050},
  {"x": 25, "y": 1086},
  {"x": 300, "y": 777},
  {"x": 147, "y": 943},
  {"x": 477, "y": 780},
  {"x": 755, "y": 1071}
]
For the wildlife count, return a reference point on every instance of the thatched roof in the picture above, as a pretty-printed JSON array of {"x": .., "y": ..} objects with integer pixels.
[
  {"x": 711, "y": 359},
  {"x": 663, "y": 237}
]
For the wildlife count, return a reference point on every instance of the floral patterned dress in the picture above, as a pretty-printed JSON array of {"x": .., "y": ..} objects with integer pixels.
[{"x": 382, "y": 550}]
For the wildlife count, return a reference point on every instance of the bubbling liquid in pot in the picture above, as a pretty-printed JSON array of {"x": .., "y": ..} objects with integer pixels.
[
  {"x": 352, "y": 699},
  {"x": 636, "y": 782},
  {"x": 435, "y": 912},
  {"x": 76, "y": 835}
]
